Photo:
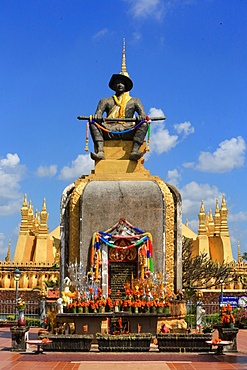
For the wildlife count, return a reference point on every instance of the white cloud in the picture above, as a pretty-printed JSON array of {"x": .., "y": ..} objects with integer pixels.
[
  {"x": 11, "y": 160},
  {"x": 192, "y": 195},
  {"x": 11, "y": 173},
  {"x": 101, "y": 33},
  {"x": 47, "y": 171},
  {"x": 10, "y": 207},
  {"x": 173, "y": 177},
  {"x": 148, "y": 8},
  {"x": 161, "y": 140},
  {"x": 188, "y": 164},
  {"x": 238, "y": 217},
  {"x": 156, "y": 112},
  {"x": 229, "y": 155},
  {"x": 184, "y": 128},
  {"x": 81, "y": 165}
]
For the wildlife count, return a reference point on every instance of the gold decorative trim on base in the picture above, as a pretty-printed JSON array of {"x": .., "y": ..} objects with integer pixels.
[
  {"x": 74, "y": 222},
  {"x": 169, "y": 232}
]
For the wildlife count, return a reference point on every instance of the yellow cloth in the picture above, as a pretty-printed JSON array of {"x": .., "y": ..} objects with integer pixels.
[{"x": 118, "y": 111}]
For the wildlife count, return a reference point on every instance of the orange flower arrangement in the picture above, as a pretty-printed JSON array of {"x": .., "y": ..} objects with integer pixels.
[
  {"x": 160, "y": 304},
  {"x": 137, "y": 303},
  {"x": 101, "y": 303},
  {"x": 73, "y": 304},
  {"x": 167, "y": 304},
  {"x": 117, "y": 302},
  {"x": 152, "y": 304},
  {"x": 127, "y": 303},
  {"x": 109, "y": 303},
  {"x": 226, "y": 315}
]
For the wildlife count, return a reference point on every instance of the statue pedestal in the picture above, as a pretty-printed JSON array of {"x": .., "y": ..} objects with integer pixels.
[
  {"x": 229, "y": 334},
  {"x": 19, "y": 337},
  {"x": 117, "y": 159}
]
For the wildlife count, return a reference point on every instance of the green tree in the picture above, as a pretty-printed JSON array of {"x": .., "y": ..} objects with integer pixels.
[
  {"x": 200, "y": 272},
  {"x": 244, "y": 256}
]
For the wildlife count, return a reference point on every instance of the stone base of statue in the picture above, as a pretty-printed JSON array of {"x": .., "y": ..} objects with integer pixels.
[
  {"x": 19, "y": 337},
  {"x": 119, "y": 188}
]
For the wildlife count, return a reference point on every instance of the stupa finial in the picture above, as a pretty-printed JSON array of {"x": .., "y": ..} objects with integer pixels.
[{"x": 124, "y": 69}]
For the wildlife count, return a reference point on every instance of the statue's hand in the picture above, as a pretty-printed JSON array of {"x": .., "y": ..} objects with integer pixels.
[{"x": 98, "y": 117}]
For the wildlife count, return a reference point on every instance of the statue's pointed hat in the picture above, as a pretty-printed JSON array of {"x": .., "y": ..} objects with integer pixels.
[{"x": 123, "y": 75}]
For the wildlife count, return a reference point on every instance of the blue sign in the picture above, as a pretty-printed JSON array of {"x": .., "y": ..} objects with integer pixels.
[{"x": 233, "y": 301}]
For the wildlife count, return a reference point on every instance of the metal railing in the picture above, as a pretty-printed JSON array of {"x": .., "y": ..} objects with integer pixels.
[
  {"x": 207, "y": 314},
  {"x": 32, "y": 312}
]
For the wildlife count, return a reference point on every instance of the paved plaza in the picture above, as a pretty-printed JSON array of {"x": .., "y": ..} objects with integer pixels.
[{"x": 95, "y": 360}]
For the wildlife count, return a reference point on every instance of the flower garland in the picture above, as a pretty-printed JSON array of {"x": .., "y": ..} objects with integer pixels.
[
  {"x": 144, "y": 242},
  {"x": 91, "y": 121}
]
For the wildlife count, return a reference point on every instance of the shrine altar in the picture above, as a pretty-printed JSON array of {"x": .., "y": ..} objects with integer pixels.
[{"x": 144, "y": 322}]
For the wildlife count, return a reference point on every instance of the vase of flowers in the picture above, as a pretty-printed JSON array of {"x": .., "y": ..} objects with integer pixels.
[
  {"x": 127, "y": 304},
  {"x": 86, "y": 307},
  {"x": 160, "y": 307},
  {"x": 72, "y": 307},
  {"x": 152, "y": 305},
  {"x": 21, "y": 305},
  {"x": 101, "y": 305},
  {"x": 79, "y": 308}
]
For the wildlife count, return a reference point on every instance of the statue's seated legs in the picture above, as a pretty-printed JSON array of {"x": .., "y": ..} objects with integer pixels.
[{"x": 137, "y": 135}]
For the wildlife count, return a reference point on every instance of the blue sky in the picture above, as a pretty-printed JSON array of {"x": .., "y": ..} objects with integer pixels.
[{"x": 187, "y": 59}]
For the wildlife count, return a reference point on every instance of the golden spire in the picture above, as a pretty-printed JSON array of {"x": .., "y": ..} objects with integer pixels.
[
  {"x": 24, "y": 215},
  {"x": 223, "y": 217},
  {"x": 123, "y": 69},
  {"x": 239, "y": 253},
  {"x": 30, "y": 216},
  {"x": 43, "y": 227},
  {"x": 25, "y": 201},
  {"x": 202, "y": 218},
  {"x": 223, "y": 204},
  {"x": 36, "y": 223},
  {"x": 44, "y": 205},
  {"x": 217, "y": 219},
  {"x": 210, "y": 223}
]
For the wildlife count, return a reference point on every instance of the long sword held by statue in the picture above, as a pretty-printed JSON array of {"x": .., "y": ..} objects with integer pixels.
[
  {"x": 131, "y": 119},
  {"x": 106, "y": 119}
]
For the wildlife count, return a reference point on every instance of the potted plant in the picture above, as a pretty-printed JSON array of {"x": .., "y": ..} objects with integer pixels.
[
  {"x": 227, "y": 317},
  {"x": 227, "y": 330}
]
